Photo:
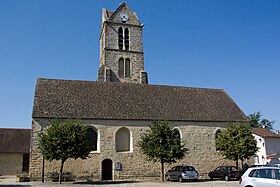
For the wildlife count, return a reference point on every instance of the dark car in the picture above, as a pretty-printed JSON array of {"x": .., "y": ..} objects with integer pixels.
[
  {"x": 182, "y": 173},
  {"x": 225, "y": 172}
]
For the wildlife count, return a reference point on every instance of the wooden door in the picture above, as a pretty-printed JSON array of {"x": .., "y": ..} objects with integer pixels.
[{"x": 107, "y": 169}]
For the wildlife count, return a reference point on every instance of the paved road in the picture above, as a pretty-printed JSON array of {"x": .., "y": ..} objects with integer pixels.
[{"x": 9, "y": 181}]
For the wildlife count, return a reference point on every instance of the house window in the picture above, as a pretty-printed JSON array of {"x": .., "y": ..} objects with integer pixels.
[
  {"x": 126, "y": 39},
  {"x": 124, "y": 68},
  {"x": 123, "y": 140},
  {"x": 120, "y": 38},
  {"x": 93, "y": 138}
]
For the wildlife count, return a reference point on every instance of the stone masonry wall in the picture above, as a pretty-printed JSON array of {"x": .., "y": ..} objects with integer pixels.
[
  {"x": 110, "y": 53},
  {"x": 136, "y": 64},
  {"x": 199, "y": 138}
]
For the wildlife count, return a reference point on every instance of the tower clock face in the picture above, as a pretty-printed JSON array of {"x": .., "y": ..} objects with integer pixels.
[{"x": 124, "y": 17}]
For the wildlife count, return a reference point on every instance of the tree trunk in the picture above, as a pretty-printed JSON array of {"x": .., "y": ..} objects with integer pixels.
[
  {"x": 162, "y": 171},
  {"x": 242, "y": 164},
  {"x": 236, "y": 161},
  {"x": 60, "y": 172}
]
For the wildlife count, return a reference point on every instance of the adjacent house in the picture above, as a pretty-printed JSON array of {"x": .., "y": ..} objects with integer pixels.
[
  {"x": 14, "y": 151},
  {"x": 121, "y": 105},
  {"x": 268, "y": 143}
]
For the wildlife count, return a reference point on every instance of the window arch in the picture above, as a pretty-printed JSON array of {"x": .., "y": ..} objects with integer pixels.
[
  {"x": 126, "y": 38},
  {"x": 120, "y": 32},
  {"x": 93, "y": 138},
  {"x": 123, "y": 140}
]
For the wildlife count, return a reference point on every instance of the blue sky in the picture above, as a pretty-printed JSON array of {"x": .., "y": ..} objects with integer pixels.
[{"x": 229, "y": 44}]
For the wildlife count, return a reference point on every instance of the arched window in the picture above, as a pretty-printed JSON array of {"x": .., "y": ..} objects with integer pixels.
[
  {"x": 121, "y": 68},
  {"x": 122, "y": 140},
  {"x": 177, "y": 134},
  {"x": 216, "y": 136},
  {"x": 123, "y": 38},
  {"x": 120, "y": 38},
  {"x": 127, "y": 67},
  {"x": 126, "y": 39},
  {"x": 124, "y": 68},
  {"x": 93, "y": 138}
]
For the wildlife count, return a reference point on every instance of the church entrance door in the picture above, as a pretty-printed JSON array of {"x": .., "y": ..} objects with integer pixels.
[{"x": 107, "y": 172}]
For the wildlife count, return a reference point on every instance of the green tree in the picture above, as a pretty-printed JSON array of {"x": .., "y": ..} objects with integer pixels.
[
  {"x": 256, "y": 121},
  {"x": 64, "y": 139},
  {"x": 237, "y": 142},
  {"x": 161, "y": 143}
]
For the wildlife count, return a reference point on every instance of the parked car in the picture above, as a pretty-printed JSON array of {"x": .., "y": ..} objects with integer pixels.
[
  {"x": 259, "y": 165},
  {"x": 225, "y": 172},
  {"x": 260, "y": 177},
  {"x": 182, "y": 173}
]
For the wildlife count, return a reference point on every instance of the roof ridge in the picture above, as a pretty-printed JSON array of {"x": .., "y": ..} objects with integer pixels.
[
  {"x": 117, "y": 83},
  {"x": 15, "y": 128},
  {"x": 66, "y": 80}
]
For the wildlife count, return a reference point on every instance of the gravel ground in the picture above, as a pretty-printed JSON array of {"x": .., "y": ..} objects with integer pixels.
[{"x": 10, "y": 181}]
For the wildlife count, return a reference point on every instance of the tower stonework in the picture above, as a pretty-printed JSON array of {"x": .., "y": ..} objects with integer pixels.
[{"x": 121, "y": 47}]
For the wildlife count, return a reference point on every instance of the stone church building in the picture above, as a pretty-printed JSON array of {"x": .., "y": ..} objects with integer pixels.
[{"x": 121, "y": 105}]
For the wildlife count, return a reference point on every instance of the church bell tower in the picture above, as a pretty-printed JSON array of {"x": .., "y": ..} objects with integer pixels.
[{"x": 121, "y": 47}]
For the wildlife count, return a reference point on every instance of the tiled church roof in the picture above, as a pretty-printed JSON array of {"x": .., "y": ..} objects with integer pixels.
[
  {"x": 15, "y": 140},
  {"x": 96, "y": 100}
]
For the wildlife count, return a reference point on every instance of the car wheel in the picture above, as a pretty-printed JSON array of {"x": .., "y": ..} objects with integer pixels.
[
  {"x": 167, "y": 177},
  {"x": 180, "y": 179},
  {"x": 226, "y": 178}
]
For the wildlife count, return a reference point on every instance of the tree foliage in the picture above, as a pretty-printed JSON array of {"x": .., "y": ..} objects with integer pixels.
[
  {"x": 161, "y": 143},
  {"x": 63, "y": 140},
  {"x": 256, "y": 121},
  {"x": 237, "y": 142}
]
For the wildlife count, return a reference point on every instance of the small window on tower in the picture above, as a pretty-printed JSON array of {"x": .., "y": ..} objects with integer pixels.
[
  {"x": 121, "y": 38},
  {"x": 126, "y": 39},
  {"x": 121, "y": 68},
  {"x": 127, "y": 68}
]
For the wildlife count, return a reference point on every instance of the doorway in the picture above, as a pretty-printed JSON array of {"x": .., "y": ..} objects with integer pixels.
[{"x": 107, "y": 169}]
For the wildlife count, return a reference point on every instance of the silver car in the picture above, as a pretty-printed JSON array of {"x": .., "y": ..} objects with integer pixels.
[
  {"x": 182, "y": 173},
  {"x": 260, "y": 177}
]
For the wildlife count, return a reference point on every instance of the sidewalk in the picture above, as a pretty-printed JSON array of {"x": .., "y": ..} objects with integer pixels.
[{"x": 10, "y": 181}]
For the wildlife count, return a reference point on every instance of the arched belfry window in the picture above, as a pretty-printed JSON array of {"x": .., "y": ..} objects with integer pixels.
[
  {"x": 120, "y": 38},
  {"x": 122, "y": 140},
  {"x": 121, "y": 68},
  {"x": 126, "y": 39},
  {"x": 124, "y": 68},
  {"x": 127, "y": 68},
  {"x": 93, "y": 138},
  {"x": 123, "y": 38}
]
